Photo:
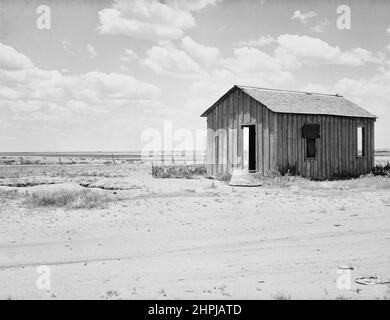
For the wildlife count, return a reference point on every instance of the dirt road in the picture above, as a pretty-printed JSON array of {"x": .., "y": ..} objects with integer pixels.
[{"x": 189, "y": 239}]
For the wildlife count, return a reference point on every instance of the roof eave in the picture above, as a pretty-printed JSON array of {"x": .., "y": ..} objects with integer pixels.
[{"x": 204, "y": 114}]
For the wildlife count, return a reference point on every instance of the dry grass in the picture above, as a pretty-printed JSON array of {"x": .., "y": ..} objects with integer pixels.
[
  {"x": 277, "y": 180},
  {"x": 382, "y": 170},
  {"x": 66, "y": 198},
  {"x": 8, "y": 194},
  {"x": 280, "y": 180},
  {"x": 179, "y": 171},
  {"x": 223, "y": 176},
  {"x": 281, "y": 296}
]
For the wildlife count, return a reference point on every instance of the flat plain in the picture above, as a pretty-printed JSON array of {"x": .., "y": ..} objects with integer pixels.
[{"x": 114, "y": 232}]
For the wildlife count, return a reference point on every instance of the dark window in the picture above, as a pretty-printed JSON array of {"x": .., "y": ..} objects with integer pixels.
[
  {"x": 311, "y": 150},
  {"x": 311, "y": 132}
]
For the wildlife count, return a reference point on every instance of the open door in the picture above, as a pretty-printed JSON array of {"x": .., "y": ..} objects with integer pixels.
[{"x": 249, "y": 148}]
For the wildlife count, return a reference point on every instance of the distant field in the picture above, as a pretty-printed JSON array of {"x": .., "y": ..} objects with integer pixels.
[
  {"x": 382, "y": 156},
  {"x": 112, "y": 231},
  {"x": 45, "y": 158}
]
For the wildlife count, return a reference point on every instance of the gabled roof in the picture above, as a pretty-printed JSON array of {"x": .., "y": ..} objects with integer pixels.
[{"x": 283, "y": 101}]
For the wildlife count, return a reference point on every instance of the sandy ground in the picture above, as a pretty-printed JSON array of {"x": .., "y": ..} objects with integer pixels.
[{"x": 194, "y": 239}]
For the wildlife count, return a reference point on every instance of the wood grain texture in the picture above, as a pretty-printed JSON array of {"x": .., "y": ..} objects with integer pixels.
[{"x": 279, "y": 140}]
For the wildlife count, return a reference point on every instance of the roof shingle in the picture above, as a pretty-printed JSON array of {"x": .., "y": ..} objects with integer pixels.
[{"x": 282, "y": 101}]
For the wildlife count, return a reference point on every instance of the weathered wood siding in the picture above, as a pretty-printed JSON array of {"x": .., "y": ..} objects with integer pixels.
[
  {"x": 226, "y": 121},
  {"x": 279, "y": 142},
  {"x": 336, "y": 148}
]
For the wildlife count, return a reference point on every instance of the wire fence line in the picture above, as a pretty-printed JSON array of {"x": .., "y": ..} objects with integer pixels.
[{"x": 156, "y": 158}]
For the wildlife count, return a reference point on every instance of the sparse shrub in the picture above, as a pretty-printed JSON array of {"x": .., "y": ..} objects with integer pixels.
[
  {"x": 8, "y": 194},
  {"x": 179, "y": 171},
  {"x": 281, "y": 296},
  {"x": 27, "y": 162},
  {"x": 278, "y": 180},
  {"x": 66, "y": 198},
  {"x": 343, "y": 176},
  {"x": 223, "y": 176},
  {"x": 8, "y": 162},
  {"x": 381, "y": 170},
  {"x": 289, "y": 170}
]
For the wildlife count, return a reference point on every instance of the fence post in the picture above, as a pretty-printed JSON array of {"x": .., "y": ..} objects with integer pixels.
[
  {"x": 113, "y": 160},
  {"x": 194, "y": 156},
  {"x": 60, "y": 160}
]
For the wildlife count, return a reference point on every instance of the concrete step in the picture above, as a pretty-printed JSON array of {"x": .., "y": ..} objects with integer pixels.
[{"x": 243, "y": 178}]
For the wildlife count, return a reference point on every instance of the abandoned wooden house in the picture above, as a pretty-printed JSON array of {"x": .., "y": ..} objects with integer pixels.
[{"x": 314, "y": 135}]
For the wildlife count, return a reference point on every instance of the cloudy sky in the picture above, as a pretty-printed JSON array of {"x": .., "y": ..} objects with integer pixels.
[{"x": 107, "y": 70}]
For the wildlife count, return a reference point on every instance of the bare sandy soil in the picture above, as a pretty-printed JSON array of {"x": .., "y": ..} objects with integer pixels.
[{"x": 192, "y": 239}]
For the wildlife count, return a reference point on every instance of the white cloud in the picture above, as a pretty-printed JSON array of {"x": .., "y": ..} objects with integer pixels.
[
  {"x": 192, "y": 5},
  {"x": 169, "y": 60},
  {"x": 10, "y": 59},
  {"x": 252, "y": 66},
  {"x": 296, "y": 50},
  {"x": 129, "y": 56},
  {"x": 91, "y": 51},
  {"x": 247, "y": 66},
  {"x": 253, "y": 61},
  {"x": 259, "y": 42},
  {"x": 206, "y": 54},
  {"x": 27, "y": 88},
  {"x": 150, "y": 19},
  {"x": 292, "y": 51},
  {"x": 320, "y": 27},
  {"x": 307, "y": 17},
  {"x": 388, "y": 30},
  {"x": 67, "y": 46},
  {"x": 303, "y": 17},
  {"x": 371, "y": 93}
]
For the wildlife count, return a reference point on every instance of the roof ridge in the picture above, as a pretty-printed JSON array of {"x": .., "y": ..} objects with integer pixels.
[{"x": 293, "y": 91}]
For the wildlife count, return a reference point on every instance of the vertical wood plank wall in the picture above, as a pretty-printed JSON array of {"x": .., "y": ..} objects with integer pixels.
[
  {"x": 240, "y": 109},
  {"x": 336, "y": 147},
  {"x": 279, "y": 140}
]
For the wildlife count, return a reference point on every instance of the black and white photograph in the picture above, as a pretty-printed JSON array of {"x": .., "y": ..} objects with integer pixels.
[{"x": 194, "y": 150}]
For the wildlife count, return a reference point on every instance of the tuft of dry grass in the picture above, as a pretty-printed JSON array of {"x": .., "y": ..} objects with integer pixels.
[
  {"x": 8, "y": 194},
  {"x": 281, "y": 296},
  {"x": 179, "y": 171},
  {"x": 67, "y": 198},
  {"x": 381, "y": 170},
  {"x": 278, "y": 180},
  {"x": 223, "y": 176}
]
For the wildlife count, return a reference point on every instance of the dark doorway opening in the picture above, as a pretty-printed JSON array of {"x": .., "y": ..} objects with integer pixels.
[{"x": 249, "y": 147}]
